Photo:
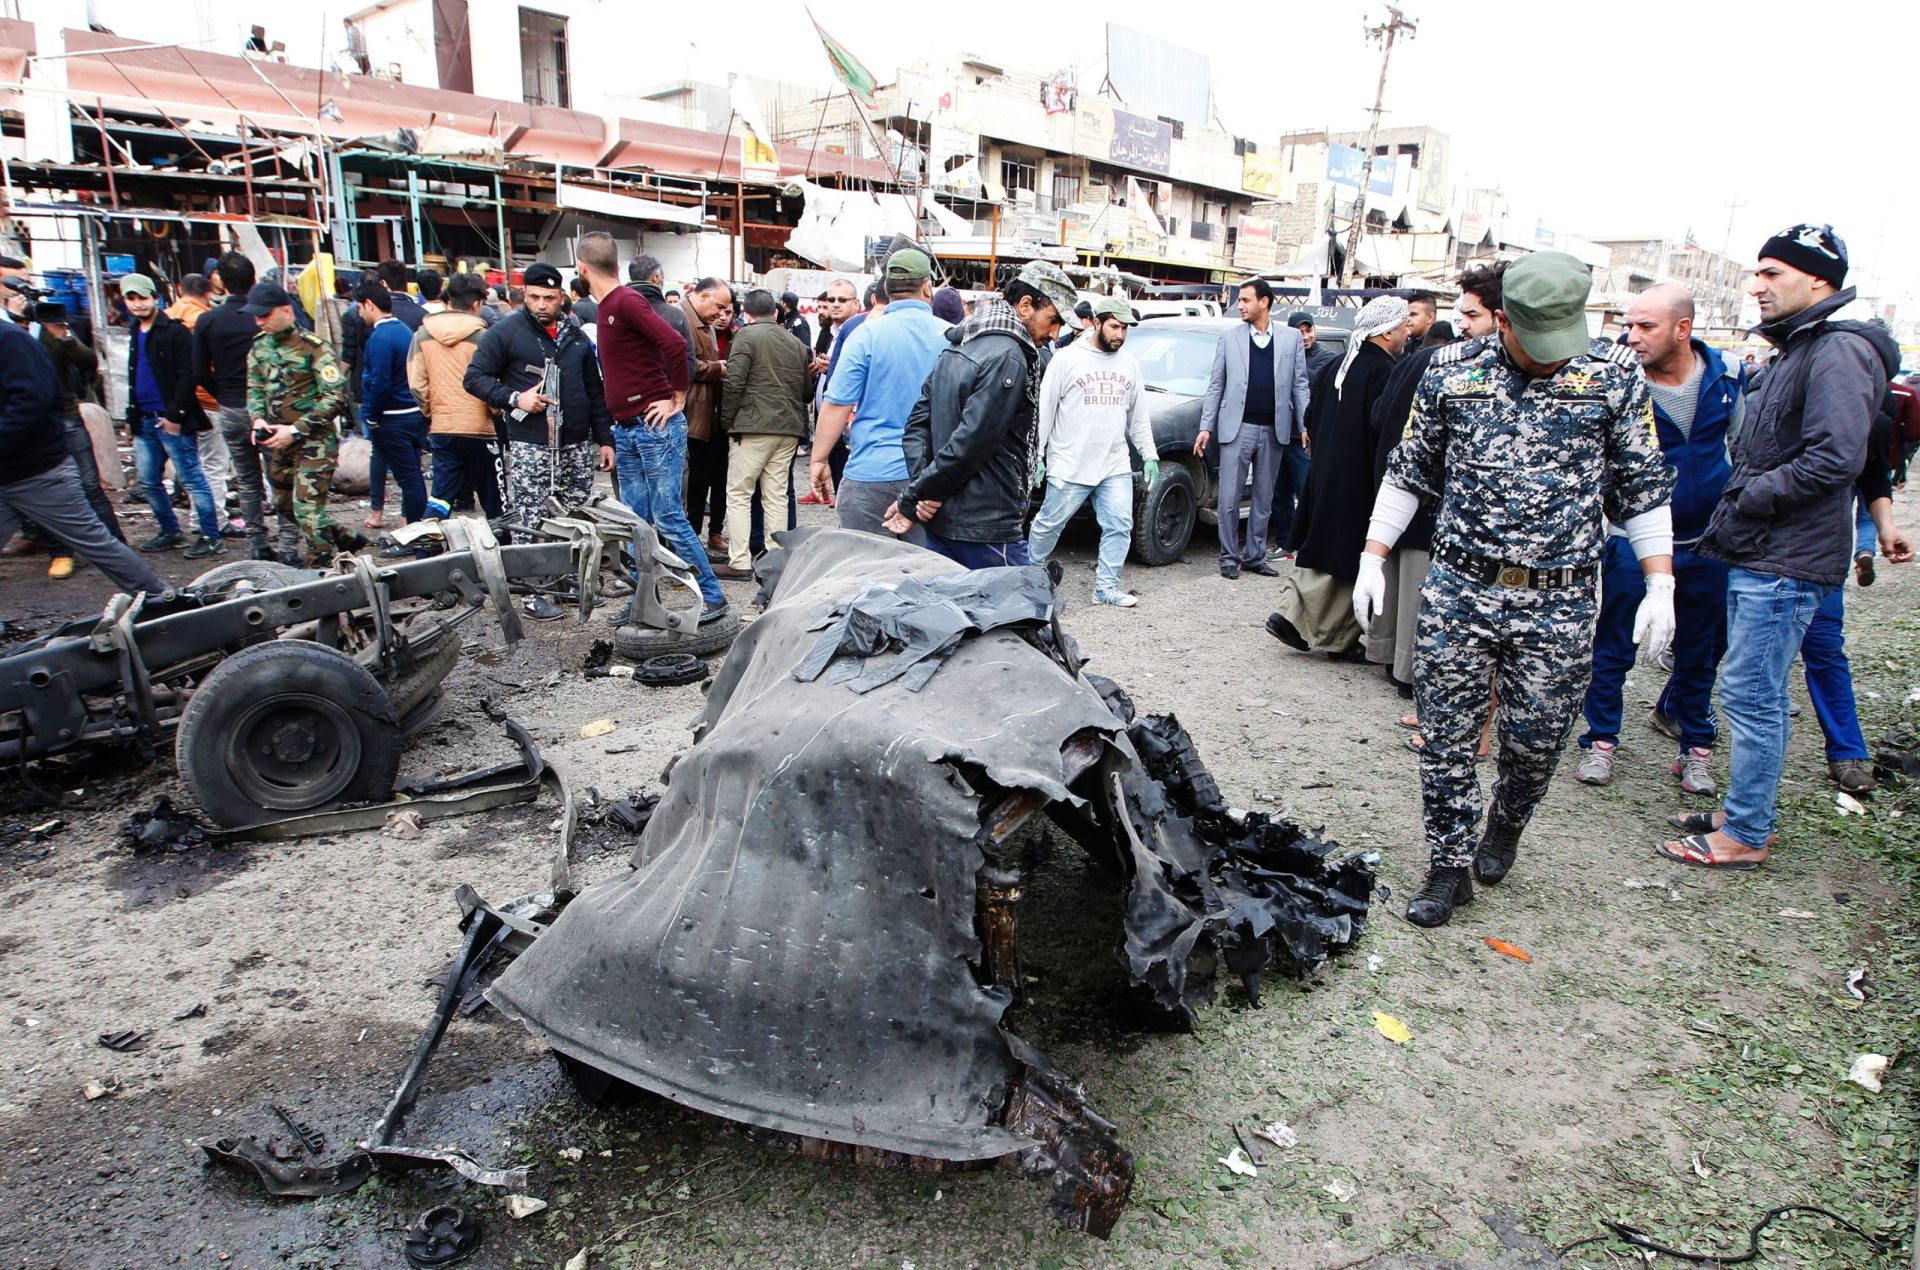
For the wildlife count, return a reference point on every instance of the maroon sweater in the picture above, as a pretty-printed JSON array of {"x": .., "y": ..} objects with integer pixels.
[{"x": 642, "y": 358}]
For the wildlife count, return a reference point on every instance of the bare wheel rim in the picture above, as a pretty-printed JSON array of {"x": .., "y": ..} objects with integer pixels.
[{"x": 293, "y": 751}]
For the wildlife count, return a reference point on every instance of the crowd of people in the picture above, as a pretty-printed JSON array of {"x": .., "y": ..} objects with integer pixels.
[{"x": 1502, "y": 515}]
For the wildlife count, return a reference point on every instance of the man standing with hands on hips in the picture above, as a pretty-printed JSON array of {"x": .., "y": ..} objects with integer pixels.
[
  {"x": 1524, "y": 446},
  {"x": 1255, "y": 404}
]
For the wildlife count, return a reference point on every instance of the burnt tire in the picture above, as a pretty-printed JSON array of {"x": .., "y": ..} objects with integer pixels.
[
  {"x": 1164, "y": 516},
  {"x": 638, "y": 643},
  {"x": 246, "y": 577},
  {"x": 286, "y": 727},
  {"x": 671, "y": 670},
  {"x": 424, "y": 679}
]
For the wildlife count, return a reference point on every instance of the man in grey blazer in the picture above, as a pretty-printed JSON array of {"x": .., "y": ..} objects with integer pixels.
[{"x": 1256, "y": 401}]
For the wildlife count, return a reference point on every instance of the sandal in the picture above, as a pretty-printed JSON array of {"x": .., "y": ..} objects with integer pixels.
[
  {"x": 1410, "y": 721},
  {"x": 1697, "y": 822},
  {"x": 1418, "y": 744},
  {"x": 1694, "y": 849}
]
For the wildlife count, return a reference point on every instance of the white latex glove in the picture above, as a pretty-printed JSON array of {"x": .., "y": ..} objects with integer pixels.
[
  {"x": 1653, "y": 623},
  {"x": 1370, "y": 593}
]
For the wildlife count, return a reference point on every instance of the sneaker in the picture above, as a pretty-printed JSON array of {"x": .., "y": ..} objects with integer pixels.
[
  {"x": 1863, "y": 568},
  {"x": 1119, "y": 599},
  {"x": 1596, "y": 766},
  {"x": 1665, "y": 659},
  {"x": 623, "y": 617},
  {"x": 1695, "y": 770},
  {"x": 60, "y": 567},
  {"x": 541, "y": 609},
  {"x": 1665, "y": 724},
  {"x": 714, "y": 612},
  {"x": 1853, "y": 775},
  {"x": 203, "y": 547},
  {"x": 162, "y": 542},
  {"x": 809, "y": 499}
]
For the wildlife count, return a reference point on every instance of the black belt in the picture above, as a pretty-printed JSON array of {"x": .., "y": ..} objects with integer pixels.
[{"x": 1485, "y": 569}]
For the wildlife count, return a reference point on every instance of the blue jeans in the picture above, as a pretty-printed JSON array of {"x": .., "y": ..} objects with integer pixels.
[
  {"x": 980, "y": 555},
  {"x": 399, "y": 440},
  {"x": 648, "y": 463},
  {"x": 1289, "y": 487},
  {"x": 1112, "y": 507},
  {"x": 1700, "y": 639},
  {"x": 157, "y": 447},
  {"x": 1767, "y": 620},
  {"x": 1830, "y": 680},
  {"x": 1866, "y": 539}
]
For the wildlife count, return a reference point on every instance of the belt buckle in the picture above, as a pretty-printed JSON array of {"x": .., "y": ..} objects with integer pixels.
[{"x": 1511, "y": 575}]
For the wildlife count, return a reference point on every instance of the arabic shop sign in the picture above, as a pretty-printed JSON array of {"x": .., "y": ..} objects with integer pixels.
[
  {"x": 1344, "y": 164},
  {"x": 1140, "y": 142}
]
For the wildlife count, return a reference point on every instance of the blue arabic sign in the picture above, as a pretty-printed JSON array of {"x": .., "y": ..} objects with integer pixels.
[
  {"x": 1140, "y": 142},
  {"x": 1344, "y": 164}
]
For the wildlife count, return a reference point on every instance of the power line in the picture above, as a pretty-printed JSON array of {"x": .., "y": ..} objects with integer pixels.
[{"x": 1386, "y": 32}]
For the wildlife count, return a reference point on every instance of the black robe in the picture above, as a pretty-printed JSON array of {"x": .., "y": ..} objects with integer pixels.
[
  {"x": 1389, "y": 424},
  {"x": 1330, "y": 525}
]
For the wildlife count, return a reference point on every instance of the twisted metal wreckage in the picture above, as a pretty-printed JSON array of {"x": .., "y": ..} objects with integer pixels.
[{"x": 816, "y": 934}]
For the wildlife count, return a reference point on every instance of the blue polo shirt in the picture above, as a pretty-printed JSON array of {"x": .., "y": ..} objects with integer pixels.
[{"x": 883, "y": 366}]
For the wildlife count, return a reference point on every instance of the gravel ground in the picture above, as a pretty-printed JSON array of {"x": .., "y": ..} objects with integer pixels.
[{"x": 1673, "y": 1056}]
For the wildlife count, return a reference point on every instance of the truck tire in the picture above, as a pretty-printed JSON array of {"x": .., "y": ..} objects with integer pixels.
[
  {"x": 414, "y": 687},
  {"x": 1163, "y": 517},
  {"x": 242, "y": 577},
  {"x": 637, "y": 643},
  {"x": 284, "y": 727}
]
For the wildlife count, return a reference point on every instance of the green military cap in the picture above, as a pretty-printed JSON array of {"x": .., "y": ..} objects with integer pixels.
[
  {"x": 909, "y": 264},
  {"x": 1544, "y": 296},
  {"x": 1117, "y": 308},
  {"x": 1051, "y": 281},
  {"x": 137, "y": 284}
]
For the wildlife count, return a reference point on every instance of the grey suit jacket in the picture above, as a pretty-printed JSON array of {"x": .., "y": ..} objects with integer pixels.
[{"x": 1225, "y": 406}]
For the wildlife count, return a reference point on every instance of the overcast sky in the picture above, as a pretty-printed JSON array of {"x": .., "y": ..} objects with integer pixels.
[{"x": 1626, "y": 118}]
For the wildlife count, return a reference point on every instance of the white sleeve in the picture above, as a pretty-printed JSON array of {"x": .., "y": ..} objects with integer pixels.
[
  {"x": 1393, "y": 511},
  {"x": 1651, "y": 532}
]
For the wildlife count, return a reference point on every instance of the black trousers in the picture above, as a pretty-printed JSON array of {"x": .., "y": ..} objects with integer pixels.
[{"x": 707, "y": 485}]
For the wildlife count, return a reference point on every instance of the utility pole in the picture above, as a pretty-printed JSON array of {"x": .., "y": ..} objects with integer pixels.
[
  {"x": 1386, "y": 33},
  {"x": 1729, "y": 297}
]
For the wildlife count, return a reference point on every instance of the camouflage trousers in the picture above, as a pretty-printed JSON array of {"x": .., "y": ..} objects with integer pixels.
[
  {"x": 1536, "y": 647},
  {"x": 300, "y": 476},
  {"x": 533, "y": 469}
]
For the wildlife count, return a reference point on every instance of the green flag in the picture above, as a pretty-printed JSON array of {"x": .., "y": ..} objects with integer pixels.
[{"x": 858, "y": 79}]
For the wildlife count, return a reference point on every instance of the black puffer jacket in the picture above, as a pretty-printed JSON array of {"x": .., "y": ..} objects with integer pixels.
[
  {"x": 169, "y": 349},
  {"x": 510, "y": 359},
  {"x": 969, "y": 440},
  {"x": 1787, "y": 506}
]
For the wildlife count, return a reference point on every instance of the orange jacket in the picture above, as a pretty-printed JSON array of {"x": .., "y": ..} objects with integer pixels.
[{"x": 436, "y": 362}]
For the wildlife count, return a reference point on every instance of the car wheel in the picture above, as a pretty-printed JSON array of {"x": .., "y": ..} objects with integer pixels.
[
  {"x": 638, "y": 643},
  {"x": 1163, "y": 520},
  {"x": 248, "y": 577},
  {"x": 286, "y": 727}
]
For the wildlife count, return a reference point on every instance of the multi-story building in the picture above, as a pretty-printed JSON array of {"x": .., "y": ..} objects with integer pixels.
[{"x": 1634, "y": 263}]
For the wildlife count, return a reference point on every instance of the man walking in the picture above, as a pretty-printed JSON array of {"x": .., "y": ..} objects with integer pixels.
[
  {"x": 1315, "y": 611},
  {"x": 296, "y": 393},
  {"x": 878, "y": 371},
  {"x": 1523, "y": 446},
  {"x": 460, "y": 427},
  {"x": 969, "y": 442},
  {"x": 1093, "y": 402},
  {"x": 507, "y": 372},
  {"x": 1784, "y": 524},
  {"x": 643, "y": 363},
  {"x": 1698, "y": 397},
  {"x": 165, "y": 419},
  {"x": 38, "y": 478},
  {"x": 388, "y": 412},
  {"x": 1256, "y": 400},
  {"x": 222, "y": 341},
  {"x": 765, "y": 405}
]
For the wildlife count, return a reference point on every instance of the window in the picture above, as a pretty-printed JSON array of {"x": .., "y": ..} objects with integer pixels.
[
  {"x": 1066, "y": 189},
  {"x": 1015, "y": 175},
  {"x": 543, "y": 59}
]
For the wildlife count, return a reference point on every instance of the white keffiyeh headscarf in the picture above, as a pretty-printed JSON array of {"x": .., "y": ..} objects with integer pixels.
[{"x": 1381, "y": 315}]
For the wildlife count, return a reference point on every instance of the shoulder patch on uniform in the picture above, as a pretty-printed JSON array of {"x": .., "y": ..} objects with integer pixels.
[
  {"x": 1621, "y": 355},
  {"x": 1462, "y": 351},
  {"x": 329, "y": 373}
]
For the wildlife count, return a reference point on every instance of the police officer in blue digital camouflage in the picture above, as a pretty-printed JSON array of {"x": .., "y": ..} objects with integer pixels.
[{"x": 1524, "y": 442}]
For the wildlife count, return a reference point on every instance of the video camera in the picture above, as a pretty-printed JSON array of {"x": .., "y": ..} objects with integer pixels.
[{"x": 21, "y": 286}]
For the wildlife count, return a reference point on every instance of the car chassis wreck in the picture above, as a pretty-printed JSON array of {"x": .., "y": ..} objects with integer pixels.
[
  {"x": 816, "y": 937},
  {"x": 288, "y": 691}
]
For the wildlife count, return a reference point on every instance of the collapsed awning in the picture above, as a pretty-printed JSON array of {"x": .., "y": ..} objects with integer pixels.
[{"x": 584, "y": 198}]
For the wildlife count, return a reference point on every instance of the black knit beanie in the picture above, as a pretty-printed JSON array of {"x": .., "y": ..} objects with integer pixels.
[{"x": 1812, "y": 249}]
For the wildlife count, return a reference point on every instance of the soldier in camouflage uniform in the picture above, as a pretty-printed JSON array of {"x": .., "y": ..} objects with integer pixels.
[
  {"x": 1523, "y": 441},
  {"x": 295, "y": 392}
]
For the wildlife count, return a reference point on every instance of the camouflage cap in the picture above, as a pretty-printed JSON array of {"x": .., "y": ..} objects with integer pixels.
[
  {"x": 1544, "y": 296},
  {"x": 1050, "y": 280}
]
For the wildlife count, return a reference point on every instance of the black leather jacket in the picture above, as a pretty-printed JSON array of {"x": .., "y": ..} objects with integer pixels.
[{"x": 969, "y": 440}]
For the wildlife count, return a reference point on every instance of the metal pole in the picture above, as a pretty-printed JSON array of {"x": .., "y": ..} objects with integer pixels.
[
  {"x": 993, "y": 252},
  {"x": 246, "y": 167},
  {"x": 500, "y": 224},
  {"x": 106, "y": 153},
  {"x": 1395, "y": 23}
]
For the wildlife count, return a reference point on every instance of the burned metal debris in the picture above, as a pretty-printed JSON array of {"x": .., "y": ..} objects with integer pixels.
[
  {"x": 816, "y": 934},
  {"x": 162, "y": 827}
]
